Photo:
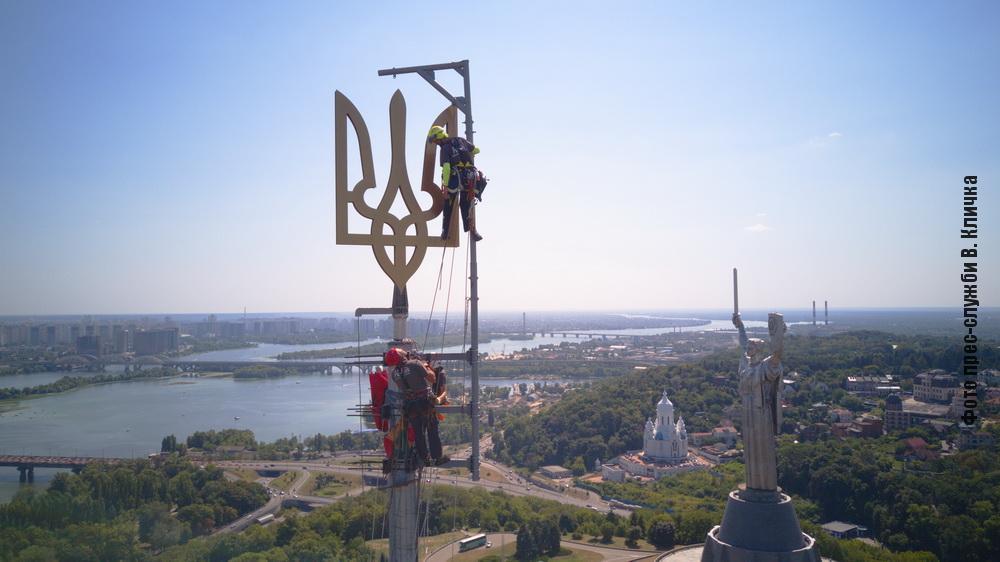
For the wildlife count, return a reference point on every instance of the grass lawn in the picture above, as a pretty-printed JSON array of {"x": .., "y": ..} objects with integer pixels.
[
  {"x": 248, "y": 474},
  {"x": 580, "y": 494},
  {"x": 617, "y": 542},
  {"x": 358, "y": 460},
  {"x": 284, "y": 481},
  {"x": 427, "y": 544},
  {"x": 336, "y": 485},
  {"x": 492, "y": 475},
  {"x": 566, "y": 554}
]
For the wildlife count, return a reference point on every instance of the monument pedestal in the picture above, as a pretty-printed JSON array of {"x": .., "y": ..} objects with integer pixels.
[{"x": 759, "y": 526}]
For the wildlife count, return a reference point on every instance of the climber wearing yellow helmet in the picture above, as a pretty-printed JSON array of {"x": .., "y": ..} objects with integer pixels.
[{"x": 459, "y": 178}]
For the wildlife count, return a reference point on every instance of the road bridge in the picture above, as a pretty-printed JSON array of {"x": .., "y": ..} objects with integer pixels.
[
  {"x": 26, "y": 464},
  {"x": 346, "y": 366},
  {"x": 559, "y": 333}
]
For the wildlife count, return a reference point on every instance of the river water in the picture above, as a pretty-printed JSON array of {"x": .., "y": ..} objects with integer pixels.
[{"x": 128, "y": 419}]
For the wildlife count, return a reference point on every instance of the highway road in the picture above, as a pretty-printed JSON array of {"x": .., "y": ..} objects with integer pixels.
[
  {"x": 274, "y": 503},
  {"x": 515, "y": 485},
  {"x": 496, "y": 539}
]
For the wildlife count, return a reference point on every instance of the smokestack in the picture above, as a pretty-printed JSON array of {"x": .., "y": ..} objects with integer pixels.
[
  {"x": 524, "y": 323},
  {"x": 814, "y": 313},
  {"x": 826, "y": 314}
]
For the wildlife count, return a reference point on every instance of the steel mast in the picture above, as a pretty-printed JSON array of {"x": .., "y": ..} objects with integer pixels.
[{"x": 404, "y": 504}]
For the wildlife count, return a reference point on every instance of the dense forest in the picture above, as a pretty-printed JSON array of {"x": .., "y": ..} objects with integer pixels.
[
  {"x": 950, "y": 506},
  {"x": 337, "y": 532},
  {"x": 606, "y": 419},
  {"x": 947, "y": 506},
  {"x": 121, "y": 511}
]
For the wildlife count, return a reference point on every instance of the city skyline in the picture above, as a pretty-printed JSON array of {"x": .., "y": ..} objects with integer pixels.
[{"x": 180, "y": 158}]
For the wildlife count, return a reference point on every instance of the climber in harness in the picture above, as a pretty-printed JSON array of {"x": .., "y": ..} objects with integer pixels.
[
  {"x": 384, "y": 418},
  {"x": 423, "y": 389},
  {"x": 460, "y": 180}
]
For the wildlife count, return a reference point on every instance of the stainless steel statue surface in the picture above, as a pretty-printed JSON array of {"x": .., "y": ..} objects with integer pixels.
[
  {"x": 759, "y": 523},
  {"x": 760, "y": 377}
]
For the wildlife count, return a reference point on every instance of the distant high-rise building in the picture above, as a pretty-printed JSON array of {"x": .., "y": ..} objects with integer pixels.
[
  {"x": 367, "y": 326},
  {"x": 50, "y": 335},
  {"x": 233, "y": 330},
  {"x": 121, "y": 339},
  {"x": 154, "y": 342},
  {"x": 89, "y": 345}
]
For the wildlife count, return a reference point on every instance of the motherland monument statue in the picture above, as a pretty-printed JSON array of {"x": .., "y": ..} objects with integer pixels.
[
  {"x": 760, "y": 387},
  {"x": 759, "y": 523}
]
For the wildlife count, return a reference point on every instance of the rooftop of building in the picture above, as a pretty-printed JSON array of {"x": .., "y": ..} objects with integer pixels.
[
  {"x": 839, "y": 527},
  {"x": 913, "y": 406},
  {"x": 869, "y": 378}
]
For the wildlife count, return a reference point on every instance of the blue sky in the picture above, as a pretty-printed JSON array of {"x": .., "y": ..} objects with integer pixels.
[{"x": 179, "y": 157}]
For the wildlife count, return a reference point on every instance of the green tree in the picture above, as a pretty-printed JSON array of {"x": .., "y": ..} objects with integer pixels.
[
  {"x": 694, "y": 526},
  {"x": 567, "y": 523},
  {"x": 181, "y": 489},
  {"x": 551, "y": 538},
  {"x": 149, "y": 515},
  {"x": 527, "y": 549},
  {"x": 661, "y": 534},
  {"x": 632, "y": 536},
  {"x": 169, "y": 444},
  {"x": 200, "y": 517},
  {"x": 607, "y": 531},
  {"x": 168, "y": 532}
]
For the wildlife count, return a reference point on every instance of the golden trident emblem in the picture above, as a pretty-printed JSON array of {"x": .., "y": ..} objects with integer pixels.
[{"x": 396, "y": 266}]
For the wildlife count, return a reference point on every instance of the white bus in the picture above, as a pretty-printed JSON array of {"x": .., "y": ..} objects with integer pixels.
[
  {"x": 475, "y": 541},
  {"x": 265, "y": 519}
]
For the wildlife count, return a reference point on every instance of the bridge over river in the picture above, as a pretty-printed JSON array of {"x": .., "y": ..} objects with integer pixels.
[
  {"x": 26, "y": 464},
  {"x": 345, "y": 366}
]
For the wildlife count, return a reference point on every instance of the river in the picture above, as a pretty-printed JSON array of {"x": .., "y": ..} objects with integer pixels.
[{"x": 128, "y": 419}]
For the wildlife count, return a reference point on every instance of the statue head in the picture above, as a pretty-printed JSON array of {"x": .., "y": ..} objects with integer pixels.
[{"x": 756, "y": 348}]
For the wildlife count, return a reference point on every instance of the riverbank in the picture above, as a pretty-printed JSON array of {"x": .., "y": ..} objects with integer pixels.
[
  {"x": 376, "y": 348},
  {"x": 71, "y": 382}
]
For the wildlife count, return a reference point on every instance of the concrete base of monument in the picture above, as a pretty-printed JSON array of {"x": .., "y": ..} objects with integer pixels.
[{"x": 759, "y": 526}]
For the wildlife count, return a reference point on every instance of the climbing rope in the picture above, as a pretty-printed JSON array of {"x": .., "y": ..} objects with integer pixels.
[
  {"x": 437, "y": 289},
  {"x": 465, "y": 328},
  {"x": 447, "y": 303},
  {"x": 361, "y": 418},
  {"x": 401, "y": 443}
]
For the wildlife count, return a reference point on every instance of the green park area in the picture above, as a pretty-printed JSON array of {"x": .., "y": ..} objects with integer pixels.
[
  {"x": 329, "y": 485},
  {"x": 285, "y": 481}
]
